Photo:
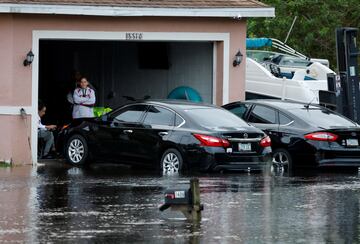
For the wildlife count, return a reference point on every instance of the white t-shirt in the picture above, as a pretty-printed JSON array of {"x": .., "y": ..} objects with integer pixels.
[{"x": 40, "y": 125}]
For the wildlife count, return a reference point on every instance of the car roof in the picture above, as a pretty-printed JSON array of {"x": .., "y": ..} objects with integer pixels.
[
  {"x": 280, "y": 104},
  {"x": 178, "y": 104}
]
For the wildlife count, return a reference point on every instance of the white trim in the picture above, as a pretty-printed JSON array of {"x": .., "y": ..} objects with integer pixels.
[
  {"x": 237, "y": 13},
  {"x": 35, "y": 97},
  {"x": 214, "y": 72},
  {"x": 226, "y": 70},
  {"x": 14, "y": 110},
  {"x": 98, "y": 35},
  {"x": 146, "y": 36}
]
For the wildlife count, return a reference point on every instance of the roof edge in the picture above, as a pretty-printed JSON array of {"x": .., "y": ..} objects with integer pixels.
[{"x": 87, "y": 10}]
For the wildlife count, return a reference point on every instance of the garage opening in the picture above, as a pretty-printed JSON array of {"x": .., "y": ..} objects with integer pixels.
[{"x": 119, "y": 68}]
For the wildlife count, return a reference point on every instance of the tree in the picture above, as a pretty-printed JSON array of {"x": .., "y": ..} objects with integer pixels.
[{"x": 314, "y": 31}]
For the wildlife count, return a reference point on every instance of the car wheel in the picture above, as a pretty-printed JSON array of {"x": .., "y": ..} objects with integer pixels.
[
  {"x": 171, "y": 162},
  {"x": 282, "y": 162},
  {"x": 76, "y": 150}
]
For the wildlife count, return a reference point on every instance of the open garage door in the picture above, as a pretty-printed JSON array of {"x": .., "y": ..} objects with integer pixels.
[{"x": 119, "y": 68}]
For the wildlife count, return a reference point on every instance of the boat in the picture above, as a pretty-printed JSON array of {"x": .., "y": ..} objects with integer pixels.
[{"x": 286, "y": 75}]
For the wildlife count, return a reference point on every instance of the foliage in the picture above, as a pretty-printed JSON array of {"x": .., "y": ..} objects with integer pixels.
[
  {"x": 4, "y": 165},
  {"x": 314, "y": 31}
]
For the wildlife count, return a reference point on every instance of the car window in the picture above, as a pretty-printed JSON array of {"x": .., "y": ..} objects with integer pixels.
[
  {"x": 294, "y": 61},
  {"x": 322, "y": 117},
  {"x": 240, "y": 110},
  {"x": 179, "y": 121},
  {"x": 283, "y": 119},
  {"x": 262, "y": 115},
  {"x": 159, "y": 116},
  {"x": 131, "y": 114},
  {"x": 215, "y": 118}
]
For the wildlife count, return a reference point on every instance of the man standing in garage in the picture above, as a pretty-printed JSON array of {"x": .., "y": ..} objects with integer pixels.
[
  {"x": 84, "y": 100},
  {"x": 73, "y": 84}
]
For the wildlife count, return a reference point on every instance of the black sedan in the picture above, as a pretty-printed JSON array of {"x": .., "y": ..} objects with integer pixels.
[
  {"x": 168, "y": 135},
  {"x": 303, "y": 135}
]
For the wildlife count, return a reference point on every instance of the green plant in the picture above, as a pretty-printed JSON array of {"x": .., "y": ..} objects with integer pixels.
[
  {"x": 4, "y": 165},
  {"x": 314, "y": 31}
]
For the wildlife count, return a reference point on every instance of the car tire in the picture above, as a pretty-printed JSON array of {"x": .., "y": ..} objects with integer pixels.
[
  {"x": 282, "y": 162},
  {"x": 76, "y": 150},
  {"x": 171, "y": 162}
]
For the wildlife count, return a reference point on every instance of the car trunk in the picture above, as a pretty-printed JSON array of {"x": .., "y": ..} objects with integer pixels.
[
  {"x": 347, "y": 137},
  {"x": 244, "y": 142}
]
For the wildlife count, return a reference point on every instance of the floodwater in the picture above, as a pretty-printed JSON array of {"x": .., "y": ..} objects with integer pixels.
[{"x": 110, "y": 204}]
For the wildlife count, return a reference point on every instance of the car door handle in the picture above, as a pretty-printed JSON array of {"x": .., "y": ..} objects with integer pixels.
[
  {"x": 128, "y": 131},
  {"x": 163, "y": 133}
]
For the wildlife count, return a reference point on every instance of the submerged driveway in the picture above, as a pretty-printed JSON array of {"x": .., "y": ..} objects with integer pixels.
[{"x": 57, "y": 203}]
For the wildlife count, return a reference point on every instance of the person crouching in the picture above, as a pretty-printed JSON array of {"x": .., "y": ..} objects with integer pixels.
[
  {"x": 45, "y": 132},
  {"x": 84, "y": 100}
]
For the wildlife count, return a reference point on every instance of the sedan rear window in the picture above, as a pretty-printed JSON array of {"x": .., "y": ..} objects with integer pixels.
[
  {"x": 213, "y": 118},
  {"x": 239, "y": 110},
  {"x": 322, "y": 117},
  {"x": 159, "y": 116},
  {"x": 263, "y": 115},
  {"x": 284, "y": 120}
]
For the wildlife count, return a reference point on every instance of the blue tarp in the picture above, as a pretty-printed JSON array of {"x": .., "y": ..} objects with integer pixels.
[
  {"x": 185, "y": 93},
  {"x": 258, "y": 42}
]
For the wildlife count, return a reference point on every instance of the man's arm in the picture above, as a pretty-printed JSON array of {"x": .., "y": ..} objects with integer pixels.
[
  {"x": 91, "y": 98},
  {"x": 79, "y": 99},
  {"x": 41, "y": 126},
  {"x": 50, "y": 127}
]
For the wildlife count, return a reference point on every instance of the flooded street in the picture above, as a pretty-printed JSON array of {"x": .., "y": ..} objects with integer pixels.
[{"x": 106, "y": 204}]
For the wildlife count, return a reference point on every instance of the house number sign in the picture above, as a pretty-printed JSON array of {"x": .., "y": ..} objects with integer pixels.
[{"x": 134, "y": 36}]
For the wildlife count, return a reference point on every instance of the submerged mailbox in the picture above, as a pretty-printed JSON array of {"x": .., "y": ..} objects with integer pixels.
[
  {"x": 185, "y": 200},
  {"x": 176, "y": 197}
]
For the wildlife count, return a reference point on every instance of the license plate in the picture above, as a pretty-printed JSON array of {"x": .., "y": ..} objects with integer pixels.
[
  {"x": 244, "y": 146},
  {"x": 179, "y": 194},
  {"x": 352, "y": 142}
]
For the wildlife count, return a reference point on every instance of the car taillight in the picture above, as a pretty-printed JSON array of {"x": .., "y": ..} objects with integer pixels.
[
  {"x": 212, "y": 141},
  {"x": 321, "y": 136},
  {"x": 265, "y": 142}
]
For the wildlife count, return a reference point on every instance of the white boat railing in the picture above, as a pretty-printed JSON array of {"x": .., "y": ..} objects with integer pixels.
[{"x": 287, "y": 49}]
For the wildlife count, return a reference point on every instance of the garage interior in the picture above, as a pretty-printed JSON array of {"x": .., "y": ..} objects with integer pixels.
[{"x": 119, "y": 68}]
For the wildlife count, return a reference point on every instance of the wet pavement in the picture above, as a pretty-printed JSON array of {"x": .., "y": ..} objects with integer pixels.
[{"x": 110, "y": 204}]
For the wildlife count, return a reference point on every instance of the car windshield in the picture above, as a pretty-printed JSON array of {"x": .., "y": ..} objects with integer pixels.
[
  {"x": 216, "y": 119},
  {"x": 322, "y": 117},
  {"x": 259, "y": 56},
  {"x": 293, "y": 61}
]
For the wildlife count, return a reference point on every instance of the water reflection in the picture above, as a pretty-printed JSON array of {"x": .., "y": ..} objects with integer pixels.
[{"x": 59, "y": 203}]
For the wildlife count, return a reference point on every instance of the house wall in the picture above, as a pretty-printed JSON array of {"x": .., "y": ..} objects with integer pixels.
[{"x": 16, "y": 40}]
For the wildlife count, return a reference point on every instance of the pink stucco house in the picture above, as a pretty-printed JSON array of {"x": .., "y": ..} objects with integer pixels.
[{"x": 124, "y": 47}]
